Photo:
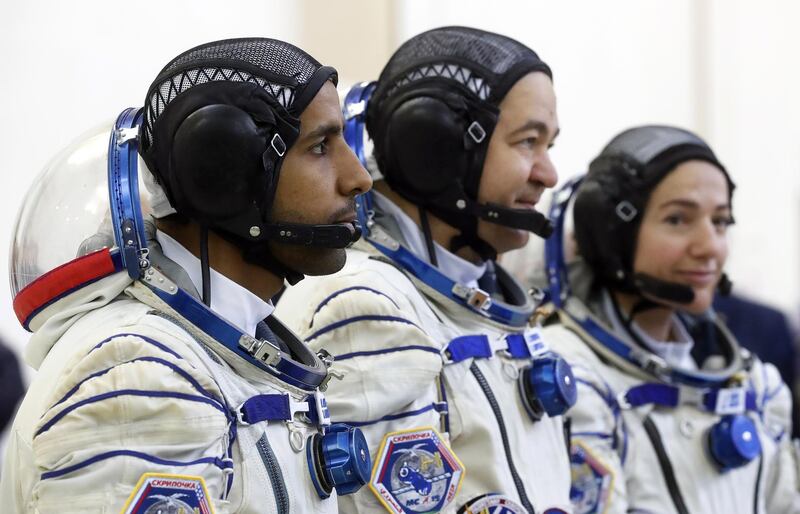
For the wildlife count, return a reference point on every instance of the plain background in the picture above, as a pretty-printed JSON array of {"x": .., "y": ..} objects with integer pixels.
[{"x": 726, "y": 69}]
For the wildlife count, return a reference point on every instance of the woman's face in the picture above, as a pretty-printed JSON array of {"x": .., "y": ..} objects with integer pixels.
[{"x": 682, "y": 238}]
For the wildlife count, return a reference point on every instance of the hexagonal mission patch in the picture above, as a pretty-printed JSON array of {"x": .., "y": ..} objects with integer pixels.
[
  {"x": 169, "y": 494},
  {"x": 415, "y": 472}
]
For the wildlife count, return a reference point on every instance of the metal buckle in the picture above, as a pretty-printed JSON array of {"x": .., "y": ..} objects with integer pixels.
[
  {"x": 479, "y": 299},
  {"x": 355, "y": 109},
  {"x": 240, "y": 414},
  {"x": 127, "y": 134},
  {"x": 476, "y": 132},
  {"x": 626, "y": 211},
  {"x": 622, "y": 401},
  {"x": 261, "y": 350},
  {"x": 278, "y": 145}
]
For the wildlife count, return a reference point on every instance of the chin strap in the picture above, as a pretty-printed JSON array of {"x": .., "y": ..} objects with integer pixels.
[
  {"x": 426, "y": 232},
  {"x": 204, "y": 266}
]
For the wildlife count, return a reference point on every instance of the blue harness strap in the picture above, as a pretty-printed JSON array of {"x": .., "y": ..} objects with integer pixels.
[
  {"x": 281, "y": 407},
  {"x": 518, "y": 346},
  {"x": 719, "y": 401}
]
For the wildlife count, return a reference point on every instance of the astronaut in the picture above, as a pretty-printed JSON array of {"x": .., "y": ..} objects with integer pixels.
[
  {"x": 164, "y": 383},
  {"x": 440, "y": 365},
  {"x": 654, "y": 429}
]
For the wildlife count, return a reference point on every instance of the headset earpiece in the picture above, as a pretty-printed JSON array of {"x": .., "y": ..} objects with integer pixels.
[
  {"x": 425, "y": 139},
  {"x": 216, "y": 163}
]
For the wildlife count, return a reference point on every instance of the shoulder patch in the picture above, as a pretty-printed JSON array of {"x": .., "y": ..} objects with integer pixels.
[
  {"x": 492, "y": 503},
  {"x": 591, "y": 481},
  {"x": 415, "y": 471},
  {"x": 158, "y": 493}
]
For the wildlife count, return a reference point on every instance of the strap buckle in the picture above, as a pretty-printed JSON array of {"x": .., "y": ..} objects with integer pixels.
[
  {"x": 264, "y": 351},
  {"x": 278, "y": 145},
  {"x": 622, "y": 401},
  {"x": 476, "y": 132},
  {"x": 479, "y": 299},
  {"x": 126, "y": 134}
]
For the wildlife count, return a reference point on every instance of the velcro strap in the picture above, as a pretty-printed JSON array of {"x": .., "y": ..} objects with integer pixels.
[
  {"x": 658, "y": 394},
  {"x": 466, "y": 347},
  {"x": 730, "y": 400},
  {"x": 518, "y": 346},
  {"x": 269, "y": 407},
  {"x": 733, "y": 400}
]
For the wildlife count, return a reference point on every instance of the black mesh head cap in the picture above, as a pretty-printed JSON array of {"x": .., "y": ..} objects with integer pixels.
[
  {"x": 434, "y": 87},
  {"x": 270, "y": 80},
  {"x": 612, "y": 198}
]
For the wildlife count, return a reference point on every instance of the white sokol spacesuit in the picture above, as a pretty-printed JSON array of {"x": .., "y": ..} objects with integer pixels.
[
  {"x": 440, "y": 363},
  {"x": 147, "y": 400},
  {"x": 388, "y": 332},
  {"x": 653, "y": 429}
]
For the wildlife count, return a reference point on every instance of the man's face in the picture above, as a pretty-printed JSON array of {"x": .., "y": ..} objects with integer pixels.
[
  {"x": 319, "y": 180},
  {"x": 518, "y": 168}
]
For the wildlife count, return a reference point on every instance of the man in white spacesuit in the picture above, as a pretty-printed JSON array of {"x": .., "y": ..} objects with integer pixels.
[
  {"x": 656, "y": 429},
  {"x": 163, "y": 380},
  {"x": 439, "y": 364}
]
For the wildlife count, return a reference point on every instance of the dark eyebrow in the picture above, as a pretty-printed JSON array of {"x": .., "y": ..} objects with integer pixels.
[
  {"x": 690, "y": 204},
  {"x": 324, "y": 130},
  {"x": 535, "y": 125}
]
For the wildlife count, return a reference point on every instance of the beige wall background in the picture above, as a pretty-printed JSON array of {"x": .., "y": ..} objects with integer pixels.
[{"x": 724, "y": 68}]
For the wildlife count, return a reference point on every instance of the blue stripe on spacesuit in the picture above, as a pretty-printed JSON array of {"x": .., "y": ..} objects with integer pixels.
[
  {"x": 608, "y": 398},
  {"x": 157, "y": 360},
  {"x": 220, "y": 463},
  {"x": 367, "y": 353},
  {"x": 356, "y": 319},
  {"x": 439, "y": 407},
  {"x": 345, "y": 290},
  {"x": 144, "y": 338},
  {"x": 222, "y": 403},
  {"x": 601, "y": 435},
  {"x": 128, "y": 392}
]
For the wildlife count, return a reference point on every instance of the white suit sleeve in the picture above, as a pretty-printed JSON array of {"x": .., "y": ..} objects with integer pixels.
[
  {"x": 129, "y": 406},
  {"x": 781, "y": 481},
  {"x": 389, "y": 366}
]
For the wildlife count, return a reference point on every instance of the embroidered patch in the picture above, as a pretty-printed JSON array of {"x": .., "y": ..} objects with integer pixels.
[
  {"x": 591, "y": 481},
  {"x": 415, "y": 471},
  {"x": 492, "y": 503},
  {"x": 158, "y": 493}
]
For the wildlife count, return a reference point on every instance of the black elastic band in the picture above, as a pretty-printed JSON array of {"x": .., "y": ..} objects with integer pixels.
[
  {"x": 426, "y": 231},
  {"x": 204, "y": 267},
  {"x": 666, "y": 466}
]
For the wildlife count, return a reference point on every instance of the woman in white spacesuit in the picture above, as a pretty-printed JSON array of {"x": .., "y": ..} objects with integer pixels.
[
  {"x": 655, "y": 429},
  {"x": 164, "y": 382}
]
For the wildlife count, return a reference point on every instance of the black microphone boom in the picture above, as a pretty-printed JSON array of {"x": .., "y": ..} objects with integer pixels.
[
  {"x": 661, "y": 289},
  {"x": 522, "y": 219},
  {"x": 338, "y": 235}
]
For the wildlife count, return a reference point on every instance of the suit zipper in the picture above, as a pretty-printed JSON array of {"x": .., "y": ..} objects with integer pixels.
[
  {"x": 758, "y": 484},
  {"x": 666, "y": 466},
  {"x": 523, "y": 496},
  {"x": 275, "y": 475}
]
